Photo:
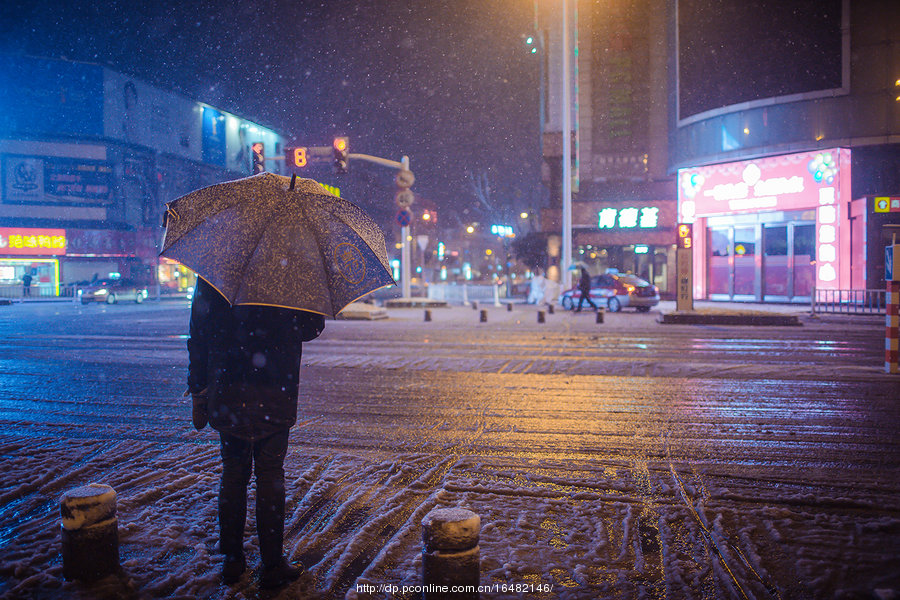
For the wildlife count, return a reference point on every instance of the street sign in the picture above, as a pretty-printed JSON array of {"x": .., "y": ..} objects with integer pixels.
[
  {"x": 684, "y": 274},
  {"x": 891, "y": 268},
  {"x": 404, "y": 198},
  {"x": 405, "y": 179},
  {"x": 404, "y": 217}
]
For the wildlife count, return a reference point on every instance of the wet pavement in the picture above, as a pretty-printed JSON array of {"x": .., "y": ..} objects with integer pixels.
[{"x": 616, "y": 460}]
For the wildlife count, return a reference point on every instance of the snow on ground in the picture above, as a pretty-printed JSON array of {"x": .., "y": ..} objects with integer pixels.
[{"x": 721, "y": 466}]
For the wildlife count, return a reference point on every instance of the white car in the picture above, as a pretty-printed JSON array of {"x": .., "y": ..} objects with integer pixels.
[{"x": 615, "y": 291}]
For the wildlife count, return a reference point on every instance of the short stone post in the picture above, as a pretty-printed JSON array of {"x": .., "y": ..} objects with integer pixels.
[
  {"x": 483, "y": 316},
  {"x": 450, "y": 556},
  {"x": 600, "y": 312},
  {"x": 90, "y": 536},
  {"x": 427, "y": 315},
  {"x": 509, "y": 307},
  {"x": 474, "y": 305},
  {"x": 550, "y": 308},
  {"x": 541, "y": 317}
]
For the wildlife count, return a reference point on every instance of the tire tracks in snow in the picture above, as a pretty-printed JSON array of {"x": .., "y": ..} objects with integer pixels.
[{"x": 349, "y": 522}]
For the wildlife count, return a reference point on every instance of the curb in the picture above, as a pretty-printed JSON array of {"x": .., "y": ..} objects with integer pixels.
[{"x": 702, "y": 319}]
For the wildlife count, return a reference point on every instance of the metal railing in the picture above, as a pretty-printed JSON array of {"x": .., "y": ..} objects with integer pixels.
[{"x": 863, "y": 302}]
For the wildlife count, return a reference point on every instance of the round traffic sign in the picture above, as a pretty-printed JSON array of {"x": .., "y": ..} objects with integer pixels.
[
  {"x": 404, "y": 217},
  {"x": 404, "y": 198},
  {"x": 405, "y": 179}
]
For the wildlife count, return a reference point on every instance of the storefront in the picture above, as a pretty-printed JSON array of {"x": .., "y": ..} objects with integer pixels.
[
  {"x": 33, "y": 253},
  {"x": 633, "y": 237},
  {"x": 874, "y": 225},
  {"x": 771, "y": 229}
]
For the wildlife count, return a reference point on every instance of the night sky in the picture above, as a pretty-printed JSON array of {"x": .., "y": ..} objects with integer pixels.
[{"x": 449, "y": 83}]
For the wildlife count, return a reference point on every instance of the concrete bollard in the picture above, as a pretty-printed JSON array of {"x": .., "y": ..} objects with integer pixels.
[
  {"x": 474, "y": 305},
  {"x": 427, "y": 315},
  {"x": 600, "y": 312},
  {"x": 90, "y": 536},
  {"x": 483, "y": 316},
  {"x": 509, "y": 307},
  {"x": 550, "y": 308},
  {"x": 450, "y": 555},
  {"x": 541, "y": 317}
]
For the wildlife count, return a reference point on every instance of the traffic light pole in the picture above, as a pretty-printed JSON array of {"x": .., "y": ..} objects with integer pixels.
[{"x": 405, "y": 250}]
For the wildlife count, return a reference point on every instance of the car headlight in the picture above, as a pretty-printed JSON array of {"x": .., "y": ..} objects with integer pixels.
[{"x": 101, "y": 292}]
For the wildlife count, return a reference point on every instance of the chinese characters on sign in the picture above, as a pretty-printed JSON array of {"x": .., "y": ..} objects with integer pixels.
[
  {"x": 32, "y": 241},
  {"x": 628, "y": 218}
]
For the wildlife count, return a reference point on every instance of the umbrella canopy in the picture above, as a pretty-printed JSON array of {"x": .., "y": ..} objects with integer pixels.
[{"x": 262, "y": 240}]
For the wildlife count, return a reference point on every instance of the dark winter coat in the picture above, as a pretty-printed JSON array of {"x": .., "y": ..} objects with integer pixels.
[
  {"x": 584, "y": 284},
  {"x": 248, "y": 359}
]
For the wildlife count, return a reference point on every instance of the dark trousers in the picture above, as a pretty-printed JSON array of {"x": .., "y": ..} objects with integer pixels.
[
  {"x": 586, "y": 296},
  {"x": 239, "y": 458}
]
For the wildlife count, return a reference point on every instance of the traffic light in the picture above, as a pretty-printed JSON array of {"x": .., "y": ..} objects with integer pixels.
[
  {"x": 297, "y": 157},
  {"x": 259, "y": 157},
  {"x": 341, "y": 154},
  {"x": 685, "y": 236}
]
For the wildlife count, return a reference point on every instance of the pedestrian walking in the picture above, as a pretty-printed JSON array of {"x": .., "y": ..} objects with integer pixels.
[
  {"x": 584, "y": 286},
  {"x": 243, "y": 377},
  {"x": 26, "y": 285}
]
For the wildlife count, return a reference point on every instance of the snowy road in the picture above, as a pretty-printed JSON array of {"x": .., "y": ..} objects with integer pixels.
[{"x": 623, "y": 460}]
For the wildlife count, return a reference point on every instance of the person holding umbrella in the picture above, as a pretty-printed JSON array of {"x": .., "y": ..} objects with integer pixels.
[{"x": 272, "y": 259}]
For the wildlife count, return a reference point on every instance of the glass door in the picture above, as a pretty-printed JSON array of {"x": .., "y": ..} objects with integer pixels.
[
  {"x": 776, "y": 269},
  {"x": 803, "y": 247},
  {"x": 745, "y": 263},
  {"x": 719, "y": 261}
]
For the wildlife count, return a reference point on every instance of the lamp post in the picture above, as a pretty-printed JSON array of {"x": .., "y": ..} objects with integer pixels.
[{"x": 567, "y": 151}]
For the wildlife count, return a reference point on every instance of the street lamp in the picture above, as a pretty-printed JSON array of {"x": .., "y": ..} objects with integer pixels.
[{"x": 567, "y": 150}]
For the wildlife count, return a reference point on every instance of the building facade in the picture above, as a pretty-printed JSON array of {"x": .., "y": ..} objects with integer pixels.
[
  {"x": 624, "y": 197},
  {"x": 785, "y": 135},
  {"x": 88, "y": 159}
]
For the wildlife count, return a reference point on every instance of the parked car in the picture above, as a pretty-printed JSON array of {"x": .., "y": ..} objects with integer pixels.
[
  {"x": 112, "y": 290},
  {"x": 616, "y": 291}
]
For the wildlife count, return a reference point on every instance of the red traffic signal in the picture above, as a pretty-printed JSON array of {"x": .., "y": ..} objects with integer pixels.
[
  {"x": 341, "y": 154},
  {"x": 685, "y": 235}
]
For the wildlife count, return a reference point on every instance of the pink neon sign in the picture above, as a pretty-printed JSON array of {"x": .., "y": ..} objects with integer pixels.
[{"x": 807, "y": 180}]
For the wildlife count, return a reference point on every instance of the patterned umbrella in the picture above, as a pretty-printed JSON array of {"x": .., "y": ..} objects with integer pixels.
[{"x": 278, "y": 241}]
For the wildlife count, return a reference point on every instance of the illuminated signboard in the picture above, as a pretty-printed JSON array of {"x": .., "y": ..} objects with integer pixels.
[
  {"x": 885, "y": 204},
  {"x": 30, "y": 242},
  {"x": 685, "y": 236},
  {"x": 817, "y": 181},
  {"x": 503, "y": 231},
  {"x": 630, "y": 217}
]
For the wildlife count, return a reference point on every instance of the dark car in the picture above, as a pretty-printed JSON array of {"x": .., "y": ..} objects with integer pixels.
[
  {"x": 616, "y": 291},
  {"x": 112, "y": 290}
]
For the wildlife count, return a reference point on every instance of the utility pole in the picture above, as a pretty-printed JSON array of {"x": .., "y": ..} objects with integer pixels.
[
  {"x": 404, "y": 199},
  {"x": 567, "y": 152}
]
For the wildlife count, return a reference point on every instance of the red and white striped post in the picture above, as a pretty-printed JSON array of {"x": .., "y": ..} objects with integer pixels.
[{"x": 892, "y": 326}]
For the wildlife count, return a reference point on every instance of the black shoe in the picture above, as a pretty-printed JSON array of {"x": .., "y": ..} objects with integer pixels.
[
  {"x": 280, "y": 575},
  {"x": 232, "y": 570}
]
